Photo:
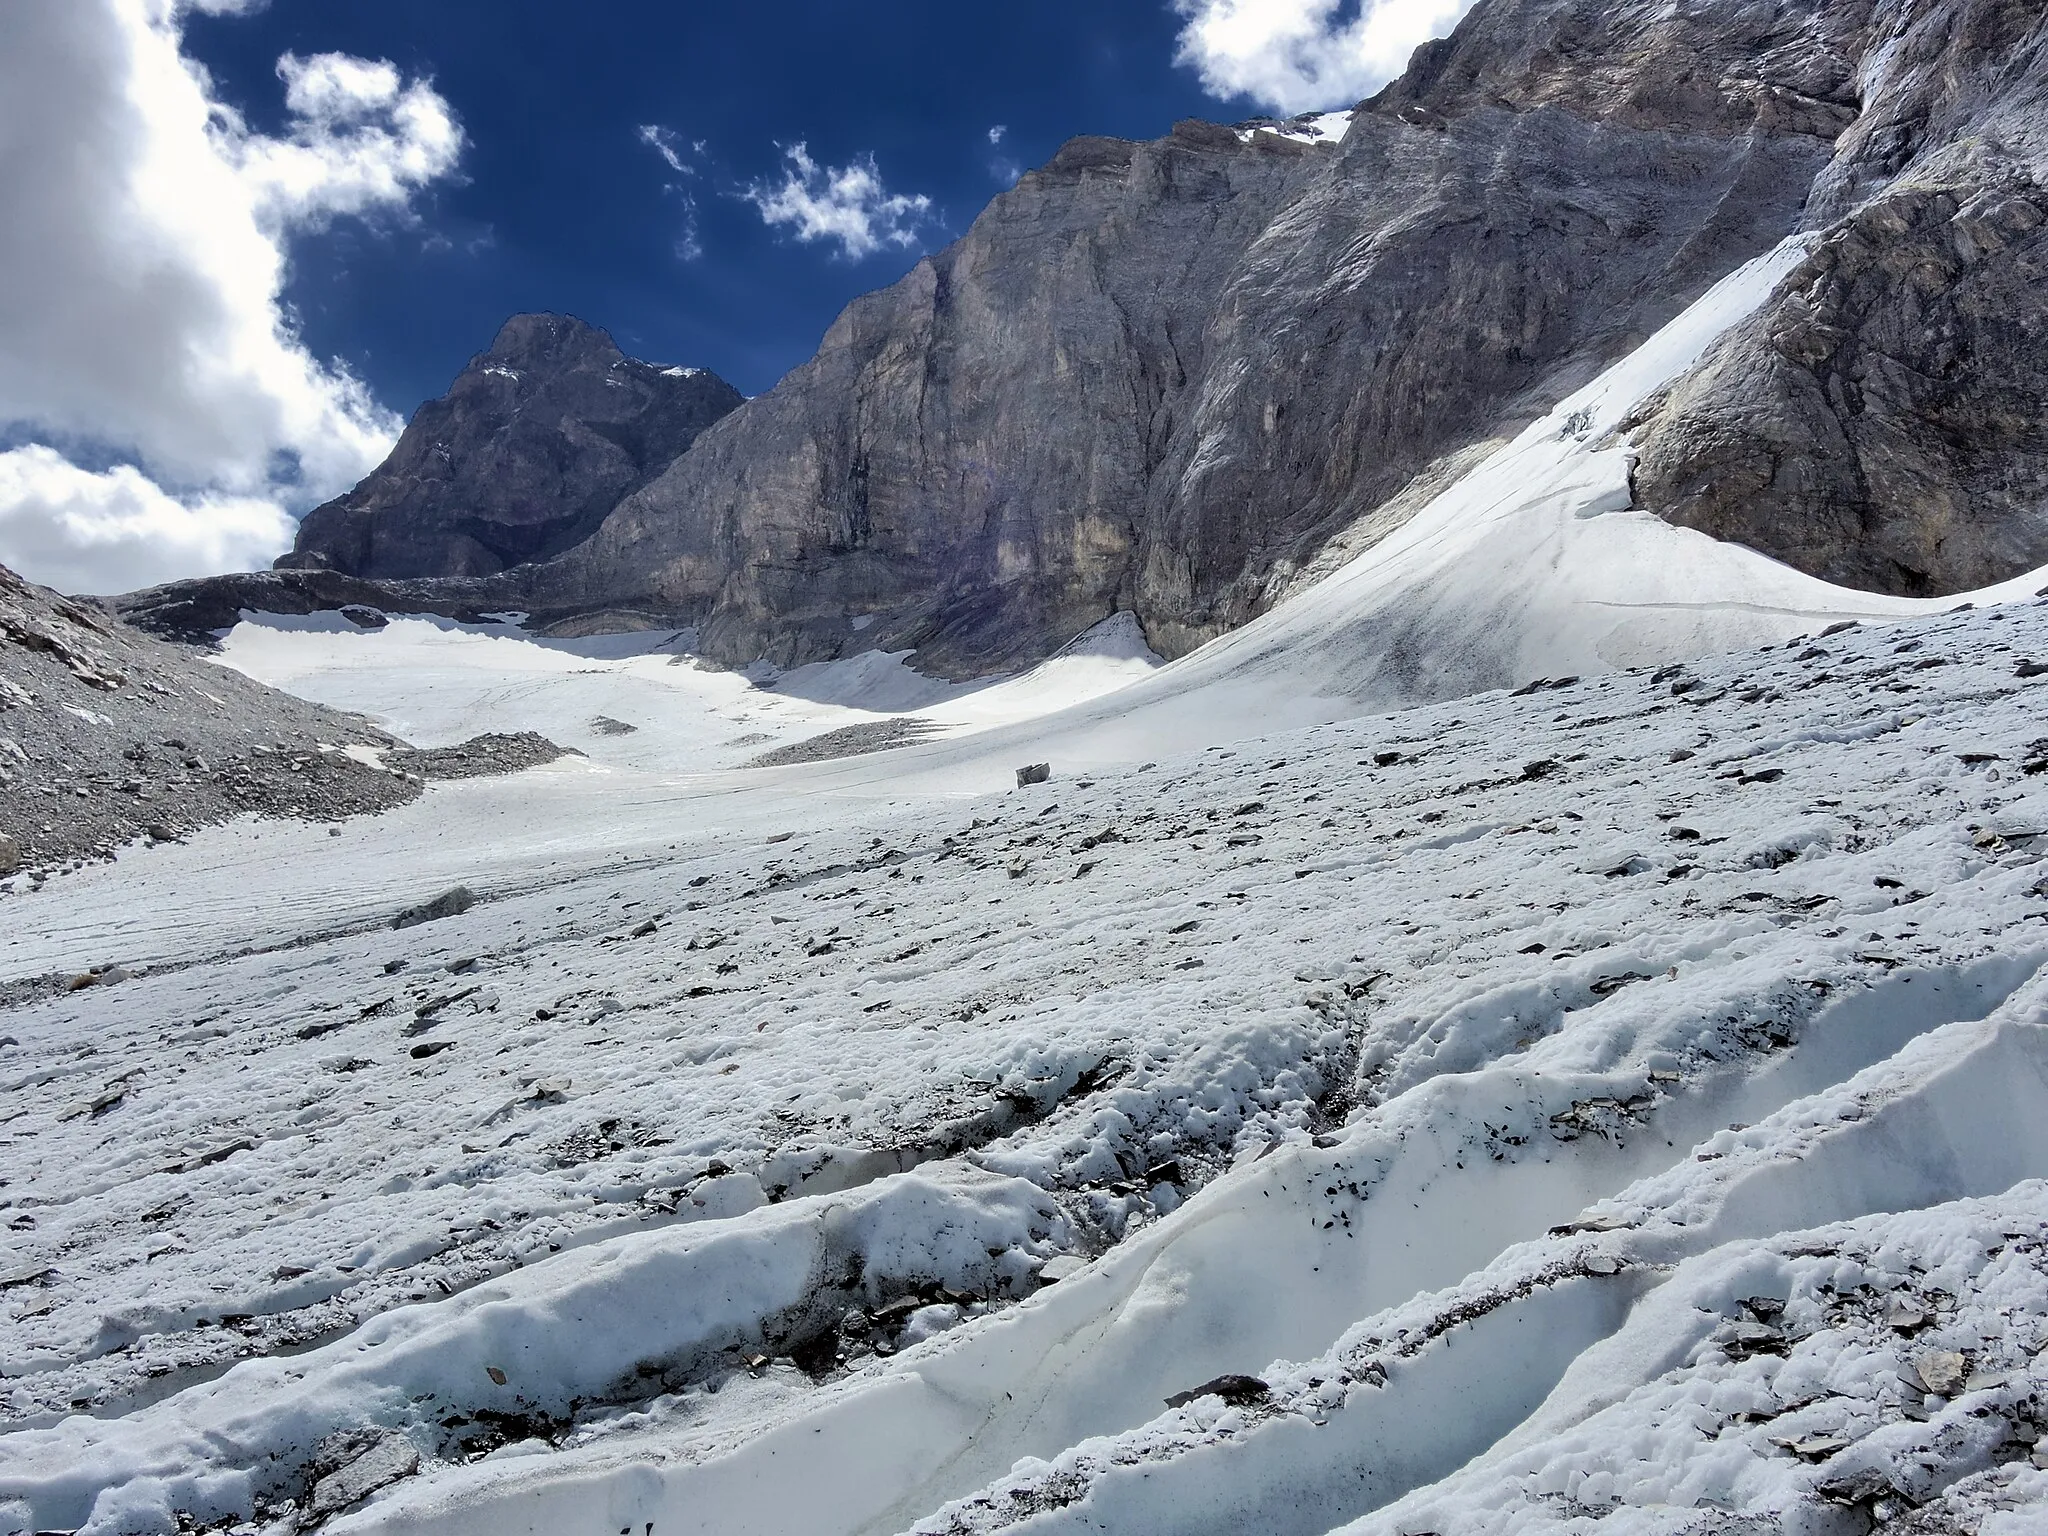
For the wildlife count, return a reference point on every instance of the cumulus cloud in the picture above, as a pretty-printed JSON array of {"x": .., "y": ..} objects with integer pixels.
[
  {"x": 117, "y": 530},
  {"x": 848, "y": 205},
  {"x": 143, "y": 262},
  {"x": 1300, "y": 55}
]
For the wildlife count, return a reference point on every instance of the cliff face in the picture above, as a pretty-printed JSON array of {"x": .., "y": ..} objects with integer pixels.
[
  {"x": 1884, "y": 421},
  {"x": 1179, "y": 377},
  {"x": 1163, "y": 376},
  {"x": 531, "y": 447},
  {"x": 1160, "y": 377}
]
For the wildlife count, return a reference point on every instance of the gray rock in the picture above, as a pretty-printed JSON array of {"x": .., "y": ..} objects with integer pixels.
[
  {"x": 447, "y": 904},
  {"x": 532, "y": 445},
  {"x": 1941, "y": 1371},
  {"x": 1035, "y": 773},
  {"x": 10, "y": 855},
  {"x": 1883, "y": 421},
  {"x": 388, "y": 1459}
]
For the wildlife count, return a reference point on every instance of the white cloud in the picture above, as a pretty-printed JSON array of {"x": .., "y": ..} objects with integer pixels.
[
  {"x": 848, "y": 204},
  {"x": 361, "y": 140},
  {"x": 115, "y": 531},
  {"x": 143, "y": 261},
  {"x": 995, "y": 134},
  {"x": 1300, "y": 55},
  {"x": 667, "y": 143}
]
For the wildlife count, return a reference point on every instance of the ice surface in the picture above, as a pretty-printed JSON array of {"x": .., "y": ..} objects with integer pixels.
[{"x": 1585, "y": 1097}]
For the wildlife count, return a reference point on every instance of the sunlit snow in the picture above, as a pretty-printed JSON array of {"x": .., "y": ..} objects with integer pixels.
[{"x": 1557, "y": 1009}]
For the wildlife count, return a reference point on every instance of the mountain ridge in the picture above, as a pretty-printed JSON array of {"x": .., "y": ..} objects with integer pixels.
[{"x": 1179, "y": 378}]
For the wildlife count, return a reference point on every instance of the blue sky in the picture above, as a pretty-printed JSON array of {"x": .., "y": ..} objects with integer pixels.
[
  {"x": 246, "y": 238},
  {"x": 560, "y": 204}
]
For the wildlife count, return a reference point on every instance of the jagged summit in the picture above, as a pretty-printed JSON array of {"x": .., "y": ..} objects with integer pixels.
[{"x": 533, "y": 444}]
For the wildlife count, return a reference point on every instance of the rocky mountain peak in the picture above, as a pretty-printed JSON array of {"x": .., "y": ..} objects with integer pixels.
[
  {"x": 533, "y": 444},
  {"x": 541, "y": 340}
]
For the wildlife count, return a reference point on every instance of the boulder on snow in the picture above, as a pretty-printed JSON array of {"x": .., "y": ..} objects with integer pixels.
[
  {"x": 1034, "y": 773},
  {"x": 10, "y": 855},
  {"x": 1237, "y": 1390},
  {"x": 386, "y": 1459},
  {"x": 447, "y": 904}
]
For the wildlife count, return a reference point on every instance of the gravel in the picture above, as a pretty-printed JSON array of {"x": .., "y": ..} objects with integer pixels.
[
  {"x": 108, "y": 736},
  {"x": 849, "y": 741}
]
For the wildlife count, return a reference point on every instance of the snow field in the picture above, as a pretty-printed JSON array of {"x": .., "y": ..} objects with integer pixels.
[
  {"x": 1363, "y": 928},
  {"x": 866, "y": 1146}
]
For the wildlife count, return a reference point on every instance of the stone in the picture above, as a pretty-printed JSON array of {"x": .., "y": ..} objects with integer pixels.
[
  {"x": 388, "y": 1459},
  {"x": 1035, "y": 773},
  {"x": 1236, "y": 1390},
  {"x": 1941, "y": 1371},
  {"x": 448, "y": 904},
  {"x": 10, "y": 856},
  {"x": 1061, "y": 1266}
]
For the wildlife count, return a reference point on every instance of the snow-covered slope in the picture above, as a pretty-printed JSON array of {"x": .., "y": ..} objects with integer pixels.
[
  {"x": 1612, "y": 1097},
  {"x": 1464, "y": 971}
]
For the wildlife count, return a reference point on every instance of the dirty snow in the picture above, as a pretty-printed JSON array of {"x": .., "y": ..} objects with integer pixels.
[{"x": 1557, "y": 1012}]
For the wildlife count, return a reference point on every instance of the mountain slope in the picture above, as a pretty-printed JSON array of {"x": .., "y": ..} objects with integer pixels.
[
  {"x": 532, "y": 445},
  {"x": 108, "y": 736},
  {"x": 1163, "y": 377},
  {"x": 1183, "y": 379}
]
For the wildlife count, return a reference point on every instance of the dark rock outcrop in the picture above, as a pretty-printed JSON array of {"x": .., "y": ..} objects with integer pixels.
[
  {"x": 532, "y": 445},
  {"x": 197, "y": 609}
]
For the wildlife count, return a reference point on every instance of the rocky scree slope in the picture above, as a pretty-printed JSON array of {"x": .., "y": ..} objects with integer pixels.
[
  {"x": 108, "y": 735},
  {"x": 532, "y": 445},
  {"x": 1166, "y": 377}
]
